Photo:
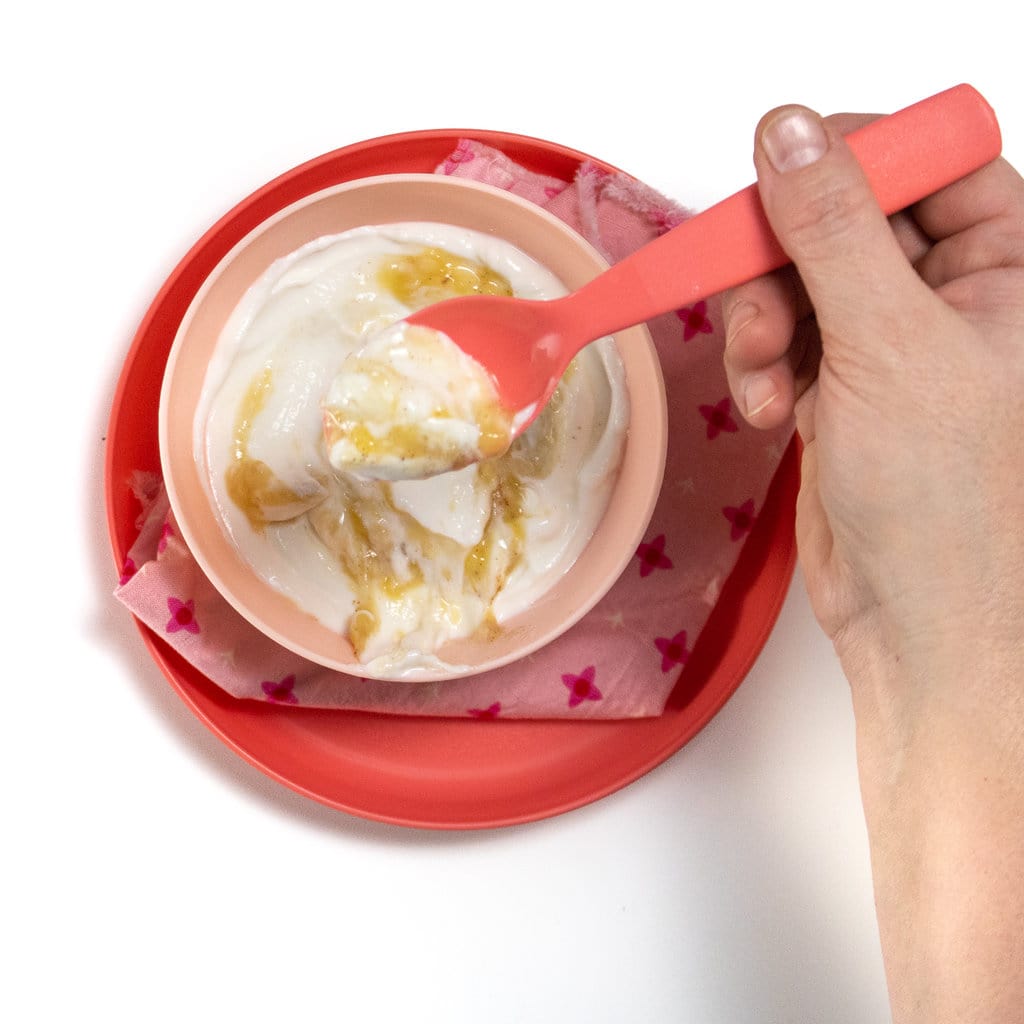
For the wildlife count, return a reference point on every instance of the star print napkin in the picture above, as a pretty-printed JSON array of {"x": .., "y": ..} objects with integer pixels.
[{"x": 623, "y": 659}]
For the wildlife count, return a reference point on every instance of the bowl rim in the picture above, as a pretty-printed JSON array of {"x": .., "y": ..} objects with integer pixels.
[{"x": 635, "y": 345}]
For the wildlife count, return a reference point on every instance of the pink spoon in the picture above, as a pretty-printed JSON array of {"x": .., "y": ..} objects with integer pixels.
[{"x": 526, "y": 345}]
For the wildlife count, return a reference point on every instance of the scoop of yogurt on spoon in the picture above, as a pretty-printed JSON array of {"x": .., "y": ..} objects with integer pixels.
[{"x": 411, "y": 404}]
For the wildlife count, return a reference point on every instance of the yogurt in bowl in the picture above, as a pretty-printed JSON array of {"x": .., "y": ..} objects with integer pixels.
[
  {"x": 410, "y": 404},
  {"x": 263, "y": 437}
]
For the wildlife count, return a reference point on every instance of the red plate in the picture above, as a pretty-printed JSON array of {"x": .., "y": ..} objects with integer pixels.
[{"x": 434, "y": 773}]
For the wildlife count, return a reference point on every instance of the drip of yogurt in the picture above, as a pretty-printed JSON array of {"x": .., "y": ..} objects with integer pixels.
[
  {"x": 399, "y": 566},
  {"x": 411, "y": 404}
]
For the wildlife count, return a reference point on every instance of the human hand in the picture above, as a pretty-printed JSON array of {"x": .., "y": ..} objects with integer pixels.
[{"x": 900, "y": 347}]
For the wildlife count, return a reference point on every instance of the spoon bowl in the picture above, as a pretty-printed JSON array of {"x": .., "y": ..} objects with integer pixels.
[
  {"x": 526, "y": 346},
  {"x": 525, "y": 343}
]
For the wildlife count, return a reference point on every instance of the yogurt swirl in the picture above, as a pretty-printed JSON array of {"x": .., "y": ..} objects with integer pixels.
[
  {"x": 411, "y": 404},
  {"x": 399, "y": 566}
]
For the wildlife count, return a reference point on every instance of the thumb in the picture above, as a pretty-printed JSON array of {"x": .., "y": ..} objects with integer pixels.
[{"x": 825, "y": 215}]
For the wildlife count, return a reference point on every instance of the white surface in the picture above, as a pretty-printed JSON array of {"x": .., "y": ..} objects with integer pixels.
[{"x": 149, "y": 874}]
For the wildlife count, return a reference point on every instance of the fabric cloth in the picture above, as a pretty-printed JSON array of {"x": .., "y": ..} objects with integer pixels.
[{"x": 623, "y": 659}]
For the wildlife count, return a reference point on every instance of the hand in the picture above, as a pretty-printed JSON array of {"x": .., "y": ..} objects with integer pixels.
[{"x": 899, "y": 347}]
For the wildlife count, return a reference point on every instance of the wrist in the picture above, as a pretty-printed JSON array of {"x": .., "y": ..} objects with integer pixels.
[
  {"x": 940, "y": 737},
  {"x": 932, "y": 693}
]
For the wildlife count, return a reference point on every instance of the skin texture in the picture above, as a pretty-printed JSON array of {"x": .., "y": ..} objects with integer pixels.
[{"x": 898, "y": 345}]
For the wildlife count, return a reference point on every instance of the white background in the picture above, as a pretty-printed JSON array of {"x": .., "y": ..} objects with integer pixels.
[{"x": 147, "y": 873}]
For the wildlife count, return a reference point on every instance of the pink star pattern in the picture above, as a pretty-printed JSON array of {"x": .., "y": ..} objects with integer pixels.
[
  {"x": 128, "y": 570},
  {"x": 742, "y": 519},
  {"x": 581, "y": 687},
  {"x": 280, "y": 692},
  {"x": 652, "y": 556},
  {"x": 695, "y": 320},
  {"x": 488, "y": 713},
  {"x": 673, "y": 650},
  {"x": 719, "y": 418},
  {"x": 165, "y": 534},
  {"x": 183, "y": 616}
]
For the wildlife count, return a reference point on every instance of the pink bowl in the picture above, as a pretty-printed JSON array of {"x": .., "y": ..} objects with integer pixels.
[{"x": 380, "y": 200}]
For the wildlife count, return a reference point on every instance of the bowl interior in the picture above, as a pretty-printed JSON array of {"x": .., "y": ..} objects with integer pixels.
[{"x": 382, "y": 200}]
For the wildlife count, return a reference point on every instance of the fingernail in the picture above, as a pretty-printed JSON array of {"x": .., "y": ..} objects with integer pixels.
[
  {"x": 758, "y": 393},
  {"x": 794, "y": 139},
  {"x": 740, "y": 315}
]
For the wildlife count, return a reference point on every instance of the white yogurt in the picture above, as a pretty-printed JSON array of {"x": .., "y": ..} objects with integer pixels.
[
  {"x": 401, "y": 566},
  {"x": 411, "y": 404}
]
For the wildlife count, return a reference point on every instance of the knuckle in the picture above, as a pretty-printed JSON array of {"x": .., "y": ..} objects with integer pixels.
[
  {"x": 1000, "y": 247},
  {"x": 1011, "y": 246},
  {"x": 824, "y": 214},
  {"x": 953, "y": 262}
]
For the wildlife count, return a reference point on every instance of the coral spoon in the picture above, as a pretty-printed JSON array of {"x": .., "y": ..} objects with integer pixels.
[{"x": 527, "y": 345}]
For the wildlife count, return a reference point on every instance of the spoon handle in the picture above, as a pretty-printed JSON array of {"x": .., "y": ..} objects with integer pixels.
[{"x": 906, "y": 156}]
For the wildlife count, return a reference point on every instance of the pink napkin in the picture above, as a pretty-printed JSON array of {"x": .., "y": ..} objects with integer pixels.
[{"x": 623, "y": 659}]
